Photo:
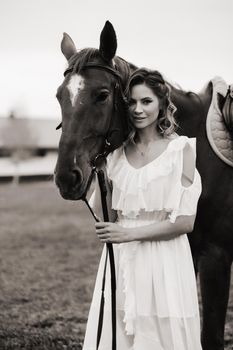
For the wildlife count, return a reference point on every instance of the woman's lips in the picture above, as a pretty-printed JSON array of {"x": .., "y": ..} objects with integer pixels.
[{"x": 138, "y": 119}]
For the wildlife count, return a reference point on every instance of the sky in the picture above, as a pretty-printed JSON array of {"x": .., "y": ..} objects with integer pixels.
[{"x": 188, "y": 41}]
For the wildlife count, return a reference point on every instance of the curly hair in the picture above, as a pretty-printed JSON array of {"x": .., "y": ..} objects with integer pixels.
[{"x": 153, "y": 79}]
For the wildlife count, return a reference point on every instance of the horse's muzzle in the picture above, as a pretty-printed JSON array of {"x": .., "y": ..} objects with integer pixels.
[{"x": 70, "y": 184}]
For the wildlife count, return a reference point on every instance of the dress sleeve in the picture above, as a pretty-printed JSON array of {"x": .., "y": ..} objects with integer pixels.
[{"x": 187, "y": 197}]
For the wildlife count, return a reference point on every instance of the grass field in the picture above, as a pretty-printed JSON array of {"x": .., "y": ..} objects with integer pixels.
[{"x": 48, "y": 261}]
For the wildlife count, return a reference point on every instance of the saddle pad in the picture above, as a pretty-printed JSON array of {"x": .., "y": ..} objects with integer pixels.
[{"x": 219, "y": 137}]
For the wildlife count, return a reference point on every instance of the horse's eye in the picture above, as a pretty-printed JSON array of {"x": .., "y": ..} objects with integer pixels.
[
  {"x": 130, "y": 103},
  {"x": 102, "y": 96},
  {"x": 59, "y": 126}
]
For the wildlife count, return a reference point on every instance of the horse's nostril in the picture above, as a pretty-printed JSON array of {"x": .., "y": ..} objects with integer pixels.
[
  {"x": 77, "y": 177},
  {"x": 69, "y": 180}
]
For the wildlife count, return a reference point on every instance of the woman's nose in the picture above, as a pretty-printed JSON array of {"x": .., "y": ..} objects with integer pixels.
[{"x": 138, "y": 108}]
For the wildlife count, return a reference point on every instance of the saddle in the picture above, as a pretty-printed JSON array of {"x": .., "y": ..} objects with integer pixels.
[{"x": 219, "y": 123}]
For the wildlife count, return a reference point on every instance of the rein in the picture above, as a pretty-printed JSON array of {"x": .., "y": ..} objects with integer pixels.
[
  {"x": 110, "y": 253},
  {"x": 108, "y": 147}
]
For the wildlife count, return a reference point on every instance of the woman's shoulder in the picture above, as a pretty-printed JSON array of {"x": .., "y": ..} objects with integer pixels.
[
  {"x": 181, "y": 142},
  {"x": 183, "y": 149}
]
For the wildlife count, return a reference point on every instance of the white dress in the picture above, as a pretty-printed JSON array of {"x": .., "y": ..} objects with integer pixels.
[{"x": 156, "y": 296}]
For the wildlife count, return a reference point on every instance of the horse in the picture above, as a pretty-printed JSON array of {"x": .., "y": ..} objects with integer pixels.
[{"x": 94, "y": 113}]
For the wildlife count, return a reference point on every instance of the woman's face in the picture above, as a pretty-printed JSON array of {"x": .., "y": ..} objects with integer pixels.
[{"x": 143, "y": 106}]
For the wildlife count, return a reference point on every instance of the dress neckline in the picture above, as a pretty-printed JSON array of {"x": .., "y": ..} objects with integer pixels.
[{"x": 152, "y": 161}]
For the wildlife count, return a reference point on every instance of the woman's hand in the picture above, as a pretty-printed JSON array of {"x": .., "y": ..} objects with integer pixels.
[{"x": 109, "y": 232}]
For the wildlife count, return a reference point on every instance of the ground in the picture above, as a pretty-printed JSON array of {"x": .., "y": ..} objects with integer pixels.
[{"x": 49, "y": 257}]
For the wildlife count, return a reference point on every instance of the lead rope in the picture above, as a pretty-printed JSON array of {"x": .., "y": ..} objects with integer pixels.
[{"x": 109, "y": 251}]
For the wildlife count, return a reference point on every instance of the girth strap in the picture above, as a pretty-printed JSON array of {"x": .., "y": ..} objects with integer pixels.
[{"x": 227, "y": 110}]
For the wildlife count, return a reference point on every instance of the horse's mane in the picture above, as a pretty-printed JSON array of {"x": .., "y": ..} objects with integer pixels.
[
  {"x": 82, "y": 57},
  {"x": 86, "y": 55}
]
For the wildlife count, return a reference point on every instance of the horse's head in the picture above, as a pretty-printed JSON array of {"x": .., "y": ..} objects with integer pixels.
[{"x": 93, "y": 110}]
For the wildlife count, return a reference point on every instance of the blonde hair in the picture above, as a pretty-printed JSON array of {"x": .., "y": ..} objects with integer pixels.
[{"x": 166, "y": 123}]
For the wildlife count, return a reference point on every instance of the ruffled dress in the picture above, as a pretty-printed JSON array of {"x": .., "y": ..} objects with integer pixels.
[{"x": 156, "y": 295}]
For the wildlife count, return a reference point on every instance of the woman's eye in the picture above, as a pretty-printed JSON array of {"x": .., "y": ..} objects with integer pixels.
[
  {"x": 146, "y": 102},
  {"x": 102, "y": 96}
]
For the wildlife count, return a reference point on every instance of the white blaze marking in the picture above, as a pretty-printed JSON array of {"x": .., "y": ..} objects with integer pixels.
[{"x": 76, "y": 84}]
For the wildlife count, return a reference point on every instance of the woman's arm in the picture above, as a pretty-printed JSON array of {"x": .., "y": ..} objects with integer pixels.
[
  {"x": 163, "y": 230},
  {"x": 159, "y": 231}
]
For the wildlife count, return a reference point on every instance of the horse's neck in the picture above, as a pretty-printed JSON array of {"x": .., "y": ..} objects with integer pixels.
[
  {"x": 191, "y": 111},
  {"x": 206, "y": 96}
]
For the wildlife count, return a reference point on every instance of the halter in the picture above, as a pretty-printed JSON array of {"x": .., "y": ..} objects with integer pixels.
[
  {"x": 108, "y": 147},
  {"x": 103, "y": 190},
  {"x": 95, "y": 66}
]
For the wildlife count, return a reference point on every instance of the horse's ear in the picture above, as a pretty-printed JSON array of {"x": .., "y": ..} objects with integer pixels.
[
  {"x": 67, "y": 46},
  {"x": 108, "y": 42}
]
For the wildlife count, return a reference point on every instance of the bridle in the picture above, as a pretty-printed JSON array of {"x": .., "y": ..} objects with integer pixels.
[
  {"x": 118, "y": 88},
  {"x": 108, "y": 147}
]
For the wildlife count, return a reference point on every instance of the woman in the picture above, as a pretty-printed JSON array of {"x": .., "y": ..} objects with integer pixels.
[{"x": 154, "y": 189}]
